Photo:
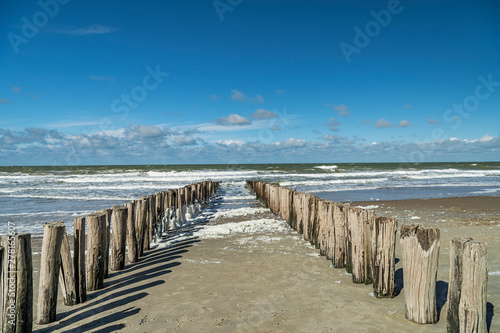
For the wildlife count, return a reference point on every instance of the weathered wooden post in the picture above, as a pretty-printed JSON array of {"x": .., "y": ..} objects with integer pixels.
[
  {"x": 297, "y": 211},
  {"x": 107, "y": 241},
  {"x": 322, "y": 225},
  {"x": 66, "y": 274},
  {"x": 119, "y": 220},
  {"x": 467, "y": 288},
  {"x": 131, "y": 233},
  {"x": 50, "y": 263},
  {"x": 330, "y": 231},
  {"x": 384, "y": 256},
  {"x": 141, "y": 217},
  {"x": 358, "y": 245},
  {"x": 16, "y": 288},
  {"x": 152, "y": 220},
  {"x": 96, "y": 246},
  {"x": 420, "y": 253},
  {"x": 340, "y": 249},
  {"x": 79, "y": 260}
]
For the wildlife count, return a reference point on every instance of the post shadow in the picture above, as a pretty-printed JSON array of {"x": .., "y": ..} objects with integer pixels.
[
  {"x": 489, "y": 314},
  {"x": 441, "y": 296},
  {"x": 398, "y": 276}
]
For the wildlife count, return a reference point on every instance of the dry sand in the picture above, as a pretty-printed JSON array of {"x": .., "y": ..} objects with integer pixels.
[{"x": 275, "y": 281}]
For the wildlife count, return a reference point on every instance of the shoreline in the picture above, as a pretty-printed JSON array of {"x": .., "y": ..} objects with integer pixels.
[{"x": 275, "y": 281}]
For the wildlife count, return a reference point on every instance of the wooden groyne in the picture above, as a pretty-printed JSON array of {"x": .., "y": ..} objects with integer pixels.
[
  {"x": 364, "y": 245},
  {"x": 113, "y": 236}
]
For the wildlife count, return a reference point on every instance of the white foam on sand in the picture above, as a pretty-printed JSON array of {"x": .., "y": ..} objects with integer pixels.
[
  {"x": 249, "y": 227},
  {"x": 244, "y": 211}
]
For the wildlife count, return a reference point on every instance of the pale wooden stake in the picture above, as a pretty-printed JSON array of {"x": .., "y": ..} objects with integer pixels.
[
  {"x": 420, "y": 253},
  {"x": 468, "y": 284},
  {"x": 66, "y": 274},
  {"x": 131, "y": 233},
  {"x": 96, "y": 246},
  {"x": 119, "y": 220},
  {"x": 50, "y": 263},
  {"x": 17, "y": 272},
  {"x": 384, "y": 256}
]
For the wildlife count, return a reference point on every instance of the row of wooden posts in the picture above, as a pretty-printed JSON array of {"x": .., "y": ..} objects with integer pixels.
[
  {"x": 364, "y": 244},
  {"x": 134, "y": 226}
]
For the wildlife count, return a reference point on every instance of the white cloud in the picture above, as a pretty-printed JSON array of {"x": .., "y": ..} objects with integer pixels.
[
  {"x": 333, "y": 124},
  {"x": 185, "y": 141},
  {"x": 407, "y": 106},
  {"x": 342, "y": 110},
  {"x": 263, "y": 114},
  {"x": 432, "y": 121},
  {"x": 237, "y": 95},
  {"x": 233, "y": 120},
  {"x": 145, "y": 132},
  {"x": 280, "y": 91},
  {"x": 383, "y": 123},
  {"x": 333, "y": 138},
  {"x": 404, "y": 123}
]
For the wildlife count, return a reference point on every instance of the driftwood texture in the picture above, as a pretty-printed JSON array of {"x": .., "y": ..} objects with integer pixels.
[
  {"x": 384, "y": 256},
  {"x": 119, "y": 221},
  {"x": 66, "y": 274},
  {"x": 16, "y": 270},
  {"x": 467, "y": 288},
  {"x": 131, "y": 233},
  {"x": 96, "y": 246},
  {"x": 420, "y": 253},
  {"x": 50, "y": 264}
]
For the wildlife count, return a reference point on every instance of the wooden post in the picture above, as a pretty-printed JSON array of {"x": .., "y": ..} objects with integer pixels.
[
  {"x": 141, "y": 217},
  {"x": 96, "y": 239},
  {"x": 16, "y": 288},
  {"x": 384, "y": 256},
  {"x": 119, "y": 220},
  {"x": 330, "y": 231},
  {"x": 107, "y": 240},
  {"x": 79, "y": 260},
  {"x": 66, "y": 274},
  {"x": 152, "y": 220},
  {"x": 50, "y": 263},
  {"x": 298, "y": 205},
  {"x": 358, "y": 246},
  {"x": 467, "y": 288},
  {"x": 420, "y": 253},
  {"x": 131, "y": 233},
  {"x": 340, "y": 249}
]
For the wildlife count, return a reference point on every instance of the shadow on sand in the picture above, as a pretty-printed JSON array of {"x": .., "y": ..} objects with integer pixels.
[{"x": 126, "y": 287}]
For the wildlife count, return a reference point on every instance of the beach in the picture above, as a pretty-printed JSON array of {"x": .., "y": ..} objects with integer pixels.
[{"x": 241, "y": 269}]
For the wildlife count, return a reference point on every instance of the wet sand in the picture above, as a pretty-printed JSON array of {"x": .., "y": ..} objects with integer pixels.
[{"x": 275, "y": 282}]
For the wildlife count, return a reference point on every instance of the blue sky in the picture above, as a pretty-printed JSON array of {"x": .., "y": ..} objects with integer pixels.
[{"x": 239, "y": 81}]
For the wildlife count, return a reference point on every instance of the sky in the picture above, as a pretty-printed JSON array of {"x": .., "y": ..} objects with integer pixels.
[{"x": 241, "y": 81}]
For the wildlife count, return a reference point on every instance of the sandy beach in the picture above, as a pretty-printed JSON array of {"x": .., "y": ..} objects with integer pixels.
[{"x": 271, "y": 280}]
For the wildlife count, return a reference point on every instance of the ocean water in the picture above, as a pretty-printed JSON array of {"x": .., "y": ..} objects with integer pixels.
[{"x": 32, "y": 196}]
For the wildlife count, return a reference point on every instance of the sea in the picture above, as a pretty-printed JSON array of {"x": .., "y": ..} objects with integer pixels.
[{"x": 33, "y": 195}]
